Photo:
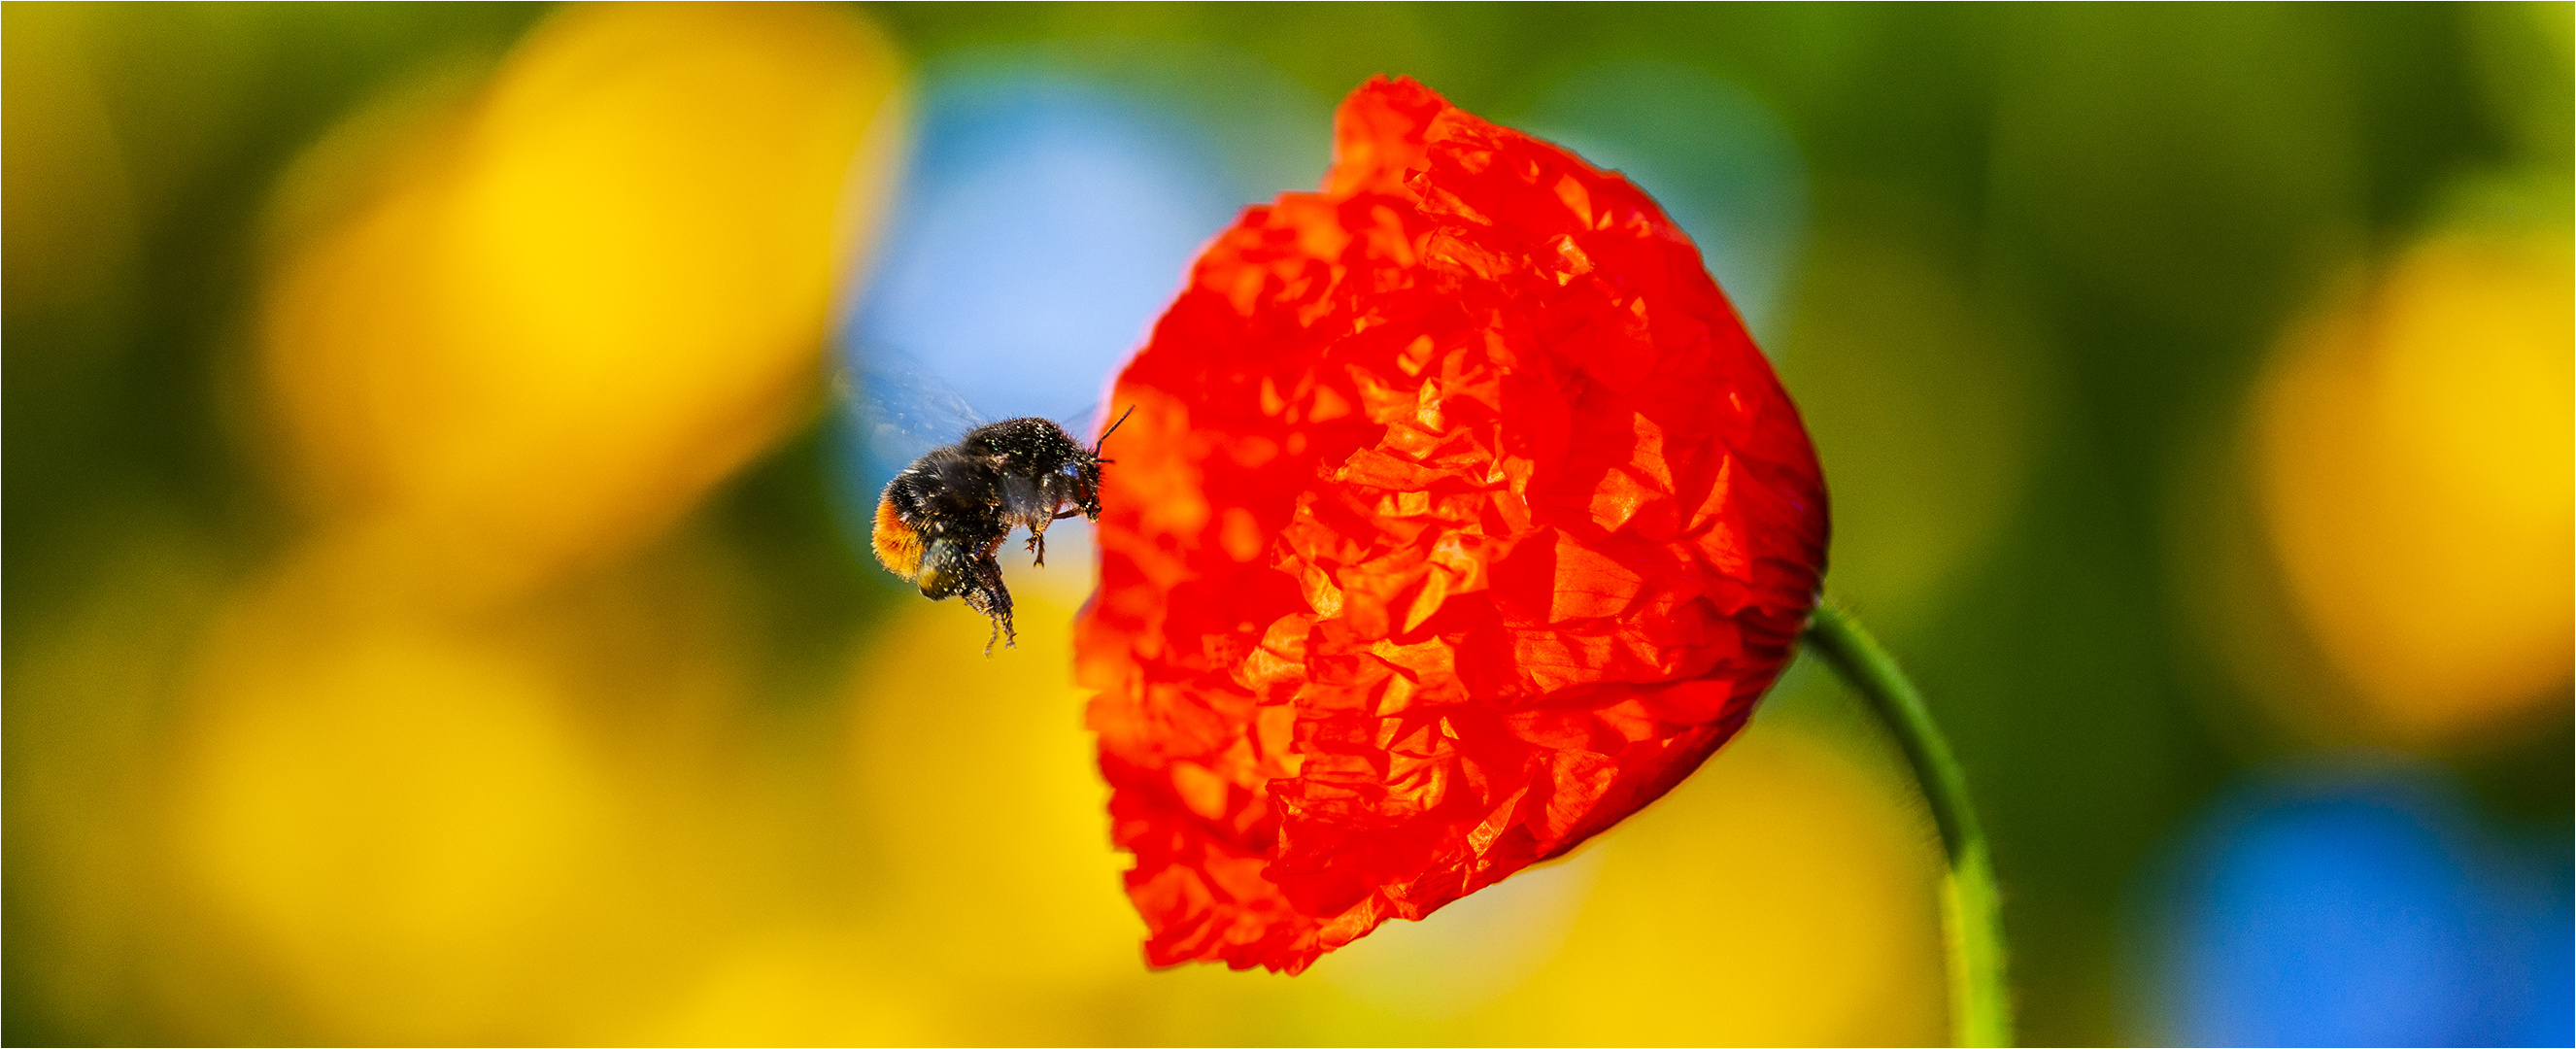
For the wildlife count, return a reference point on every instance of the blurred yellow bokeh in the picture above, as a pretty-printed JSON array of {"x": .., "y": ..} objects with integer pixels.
[
  {"x": 403, "y": 820},
  {"x": 2416, "y": 475},
  {"x": 526, "y": 328},
  {"x": 452, "y": 764},
  {"x": 1783, "y": 895},
  {"x": 1780, "y": 897}
]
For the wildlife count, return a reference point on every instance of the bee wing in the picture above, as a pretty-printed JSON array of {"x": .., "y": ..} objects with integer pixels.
[
  {"x": 900, "y": 410},
  {"x": 1099, "y": 413},
  {"x": 1083, "y": 425}
]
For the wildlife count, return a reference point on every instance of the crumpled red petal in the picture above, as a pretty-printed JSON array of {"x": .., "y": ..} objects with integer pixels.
[{"x": 1457, "y": 519}]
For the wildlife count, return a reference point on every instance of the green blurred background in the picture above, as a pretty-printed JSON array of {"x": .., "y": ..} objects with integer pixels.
[{"x": 435, "y": 612}]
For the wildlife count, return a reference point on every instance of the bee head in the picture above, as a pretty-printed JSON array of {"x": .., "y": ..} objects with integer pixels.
[
  {"x": 1085, "y": 474},
  {"x": 1087, "y": 470}
]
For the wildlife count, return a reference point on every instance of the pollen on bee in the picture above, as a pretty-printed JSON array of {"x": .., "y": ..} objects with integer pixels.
[{"x": 898, "y": 546}]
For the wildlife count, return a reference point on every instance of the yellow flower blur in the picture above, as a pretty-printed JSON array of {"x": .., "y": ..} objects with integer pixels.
[
  {"x": 993, "y": 914},
  {"x": 446, "y": 764},
  {"x": 552, "y": 316},
  {"x": 2416, "y": 473}
]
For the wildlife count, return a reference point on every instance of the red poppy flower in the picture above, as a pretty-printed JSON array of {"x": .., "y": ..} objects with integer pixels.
[{"x": 1458, "y": 519}]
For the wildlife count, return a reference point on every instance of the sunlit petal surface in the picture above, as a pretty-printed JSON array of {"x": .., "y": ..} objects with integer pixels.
[{"x": 1466, "y": 520}]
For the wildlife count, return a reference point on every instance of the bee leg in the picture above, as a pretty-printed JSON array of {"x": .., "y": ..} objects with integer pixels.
[
  {"x": 1002, "y": 618},
  {"x": 1037, "y": 534},
  {"x": 987, "y": 595},
  {"x": 1002, "y": 632}
]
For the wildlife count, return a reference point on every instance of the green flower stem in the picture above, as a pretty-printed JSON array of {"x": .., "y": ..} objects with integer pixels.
[{"x": 1971, "y": 910}]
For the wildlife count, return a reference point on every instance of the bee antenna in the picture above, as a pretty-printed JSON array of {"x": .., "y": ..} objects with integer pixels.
[{"x": 1113, "y": 428}]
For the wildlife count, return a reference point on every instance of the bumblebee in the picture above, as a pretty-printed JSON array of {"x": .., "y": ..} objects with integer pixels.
[{"x": 942, "y": 520}]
